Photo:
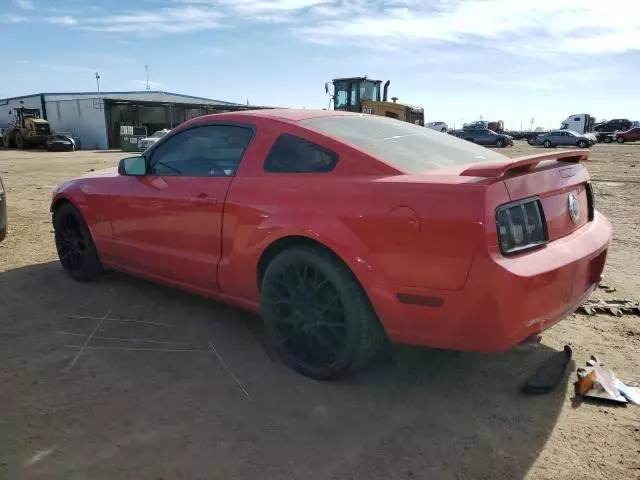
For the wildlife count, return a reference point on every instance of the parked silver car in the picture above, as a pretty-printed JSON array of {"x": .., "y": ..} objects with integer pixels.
[
  {"x": 439, "y": 126},
  {"x": 3, "y": 212},
  {"x": 565, "y": 138}
]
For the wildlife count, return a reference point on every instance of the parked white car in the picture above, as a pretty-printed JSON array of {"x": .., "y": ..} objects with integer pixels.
[
  {"x": 439, "y": 126},
  {"x": 145, "y": 143}
]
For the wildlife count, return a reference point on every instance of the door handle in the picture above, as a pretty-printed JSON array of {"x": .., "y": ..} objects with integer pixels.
[{"x": 203, "y": 199}]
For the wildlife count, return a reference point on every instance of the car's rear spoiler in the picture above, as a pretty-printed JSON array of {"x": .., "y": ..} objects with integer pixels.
[{"x": 497, "y": 169}]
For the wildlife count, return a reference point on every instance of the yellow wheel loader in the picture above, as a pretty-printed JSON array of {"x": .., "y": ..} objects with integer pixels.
[
  {"x": 27, "y": 129},
  {"x": 361, "y": 94}
]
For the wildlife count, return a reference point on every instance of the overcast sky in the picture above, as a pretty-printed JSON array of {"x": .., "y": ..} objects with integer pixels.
[{"x": 503, "y": 59}]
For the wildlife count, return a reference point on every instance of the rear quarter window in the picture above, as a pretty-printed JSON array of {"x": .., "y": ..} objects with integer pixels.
[
  {"x": 408, "y": 147},
  {"x": 291, "y": 154}
]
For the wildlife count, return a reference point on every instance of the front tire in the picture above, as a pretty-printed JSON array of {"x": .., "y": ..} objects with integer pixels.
[
  {"x": 547, "y": 143},
  {"x": 500, "y": 143},
  {"x": 620, "y": 139},
  {"x": 317, "y": 317},
  {"x": 582, "y": 144},
  {"x": 76, "y": 250},
  {"x": 607, "y": 140}
]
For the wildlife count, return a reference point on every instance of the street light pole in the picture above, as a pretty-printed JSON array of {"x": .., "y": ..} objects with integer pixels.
[{"x": 98, "y": 80}]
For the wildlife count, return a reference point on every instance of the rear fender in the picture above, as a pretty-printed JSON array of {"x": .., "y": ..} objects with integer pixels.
[{"x": 242, "y": 252}]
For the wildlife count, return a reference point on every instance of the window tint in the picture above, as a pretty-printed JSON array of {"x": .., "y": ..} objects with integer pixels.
[
  {"x": 211, "y": 150},
  {"x": 291, "y": 154},
  {"x": 408, "y": 147}
]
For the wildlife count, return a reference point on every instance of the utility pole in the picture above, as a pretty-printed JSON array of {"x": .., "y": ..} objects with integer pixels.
[
  {"x": 98, "y": 80},
  {"x": 146, "y": 70},
  {"x": 533, "y": 120}
]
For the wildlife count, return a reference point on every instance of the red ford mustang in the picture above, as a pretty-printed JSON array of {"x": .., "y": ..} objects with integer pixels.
[{"x": 345, "y": 229}]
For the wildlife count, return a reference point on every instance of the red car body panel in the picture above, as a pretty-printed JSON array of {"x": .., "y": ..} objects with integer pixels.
[
  {"x": 631, "y": 135},
  {"x": 440, "y": 280}
]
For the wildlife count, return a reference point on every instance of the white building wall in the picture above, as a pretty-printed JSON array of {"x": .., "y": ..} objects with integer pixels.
[
  {"x": 83, "y": 117},
  {"x": 7, "y": 106}
]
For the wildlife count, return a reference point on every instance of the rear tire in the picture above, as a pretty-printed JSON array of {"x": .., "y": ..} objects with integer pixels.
[
  {"x": 19, "y": 141},
  {"x": 317, "y": 317},
  {"x": 76, "y": 250},
  {"x": 607, "y": 140},
  {"x": 582, "y": 144},
  {"x": 547, "y": 143},
  {"x": 531, "y": 141},
  {"x": 620, "y": 139}
]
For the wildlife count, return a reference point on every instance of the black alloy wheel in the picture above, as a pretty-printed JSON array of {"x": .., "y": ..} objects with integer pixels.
[
  {"x": 76, "y": 250},
  {"x": 500, "y": 143},
  {"x": 317, "y": 316},
  {"x": 547, "y": 143},
  {"x": 582, "y": 144}
]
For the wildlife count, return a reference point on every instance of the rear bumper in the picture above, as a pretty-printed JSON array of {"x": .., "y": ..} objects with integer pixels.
[{"x": 504, "y": 300}]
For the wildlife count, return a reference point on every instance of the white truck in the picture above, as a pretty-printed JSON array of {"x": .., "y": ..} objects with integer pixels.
[{"x": 580, "y": 122}]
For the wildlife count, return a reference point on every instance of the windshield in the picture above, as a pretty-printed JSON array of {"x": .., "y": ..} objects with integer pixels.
[
  {"x": 408, "y": 147},
  {"x": 158, "y": 134}
]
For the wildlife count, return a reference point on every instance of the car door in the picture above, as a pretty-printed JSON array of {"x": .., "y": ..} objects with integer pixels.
[
  {"x": 170, "y": 220},
  {"x": 485, "y": 137}
]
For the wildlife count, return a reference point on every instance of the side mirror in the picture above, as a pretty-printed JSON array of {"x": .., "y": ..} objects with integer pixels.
[{"x": 133, "y": 166}]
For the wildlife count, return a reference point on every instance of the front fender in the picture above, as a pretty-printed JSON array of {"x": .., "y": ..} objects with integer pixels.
[{"x": 69, "y": 192}]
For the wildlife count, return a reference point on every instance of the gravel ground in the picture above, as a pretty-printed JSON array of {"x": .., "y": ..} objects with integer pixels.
[{"x": 171, "y": 407}]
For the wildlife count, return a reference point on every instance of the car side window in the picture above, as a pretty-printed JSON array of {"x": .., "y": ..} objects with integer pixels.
[
  {"x": 291, "y": 154},
  {"x": 205, "y": 151}
]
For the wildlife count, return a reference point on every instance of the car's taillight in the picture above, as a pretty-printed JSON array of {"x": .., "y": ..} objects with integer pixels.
[
  {"x": 591, "y": 203},
  {"x": 521, "y": 226}
]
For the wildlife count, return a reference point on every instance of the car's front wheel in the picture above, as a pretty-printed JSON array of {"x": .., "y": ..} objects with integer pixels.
[
  {"x": 620, "y": 139},
  {"x": 317, "y": 317},
  {"x": 582, "y": 144},
  {"x": 547, "y": 143},
  {"x": 76, "y": 250},
  {"x": 607, "y": 140},
  {"x": 500, "y": 143}
]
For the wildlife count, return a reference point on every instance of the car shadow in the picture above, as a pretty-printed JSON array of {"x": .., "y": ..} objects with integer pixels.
[{"x": 175, "y": 385}]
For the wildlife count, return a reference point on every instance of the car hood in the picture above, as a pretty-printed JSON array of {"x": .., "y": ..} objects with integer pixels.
[
  {"x": 107, "y": 172},
  {"x": 149, "y": 139}
]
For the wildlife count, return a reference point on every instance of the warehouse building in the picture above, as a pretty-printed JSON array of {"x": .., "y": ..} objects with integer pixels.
[{"x": 97, "y": 117}]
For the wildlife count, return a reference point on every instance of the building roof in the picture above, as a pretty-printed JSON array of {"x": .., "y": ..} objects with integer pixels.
[
  {"x": 290, "y": 114},
  {"x": 108, "y": 95}
]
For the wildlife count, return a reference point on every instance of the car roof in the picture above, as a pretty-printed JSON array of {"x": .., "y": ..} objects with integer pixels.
[{"x": 288, "y": 114}]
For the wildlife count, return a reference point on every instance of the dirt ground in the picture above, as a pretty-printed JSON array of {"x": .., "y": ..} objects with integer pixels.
[{"x": 149, "y": 398}]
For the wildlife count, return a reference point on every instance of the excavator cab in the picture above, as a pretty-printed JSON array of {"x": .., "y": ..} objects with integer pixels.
[{"x": 364, "y": 95}]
